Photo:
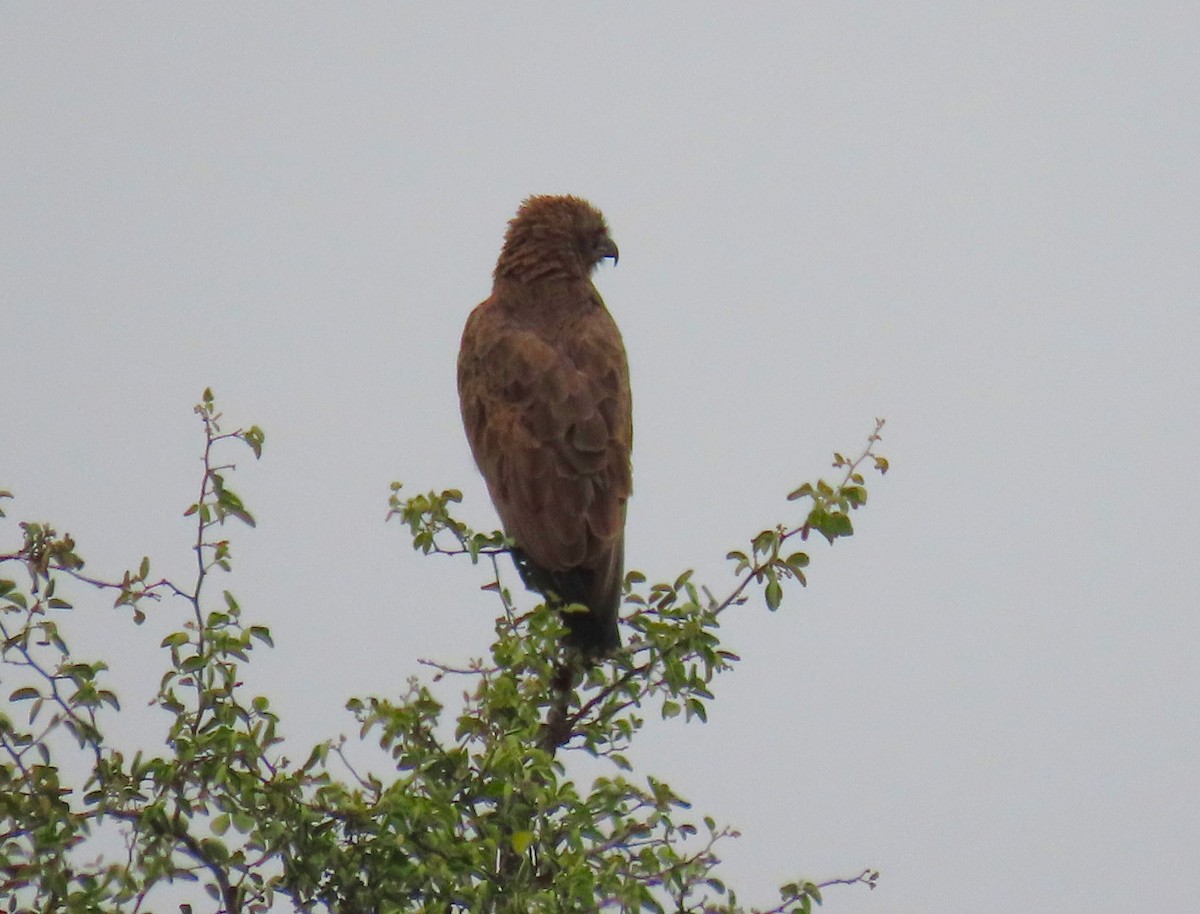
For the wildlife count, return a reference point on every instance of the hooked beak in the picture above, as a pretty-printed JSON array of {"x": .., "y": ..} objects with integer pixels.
[{"x": 608, "y": 248}]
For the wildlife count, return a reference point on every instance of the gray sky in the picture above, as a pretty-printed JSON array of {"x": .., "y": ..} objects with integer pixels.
[{"x": 977, "y": 220}]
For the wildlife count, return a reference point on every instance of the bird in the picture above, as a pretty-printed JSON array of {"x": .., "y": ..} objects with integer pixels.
[{"x": 543, "y": 383}]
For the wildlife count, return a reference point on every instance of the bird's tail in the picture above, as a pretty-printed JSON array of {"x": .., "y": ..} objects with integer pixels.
[{"x": 589, "y": 600}]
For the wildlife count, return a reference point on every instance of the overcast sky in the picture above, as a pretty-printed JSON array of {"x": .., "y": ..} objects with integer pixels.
[{"x": 978, "y": 220}]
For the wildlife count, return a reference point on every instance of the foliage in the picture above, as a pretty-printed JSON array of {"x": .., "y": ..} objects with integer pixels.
[{"x": 480, "y": 818}]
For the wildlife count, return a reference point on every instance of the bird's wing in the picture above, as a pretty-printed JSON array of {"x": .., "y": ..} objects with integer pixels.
[{"x": 549, "y": 421}]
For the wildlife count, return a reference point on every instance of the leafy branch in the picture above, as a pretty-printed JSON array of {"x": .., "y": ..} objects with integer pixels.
[
  {"x": 478, "y": 815},
  {"x": 673, "y": 654}
]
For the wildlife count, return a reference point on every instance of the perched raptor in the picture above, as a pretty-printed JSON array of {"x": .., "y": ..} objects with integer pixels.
[{"x": 544, "y": 387}]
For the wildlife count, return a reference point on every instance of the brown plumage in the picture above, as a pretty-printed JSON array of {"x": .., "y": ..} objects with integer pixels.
[{"x": 544, "y": 388}]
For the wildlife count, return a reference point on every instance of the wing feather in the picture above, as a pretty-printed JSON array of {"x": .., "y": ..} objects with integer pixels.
[{"x": 549, "y": 423}]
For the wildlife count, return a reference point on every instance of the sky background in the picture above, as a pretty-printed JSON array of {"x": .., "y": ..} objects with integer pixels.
[{"x": 980, "y": 221}]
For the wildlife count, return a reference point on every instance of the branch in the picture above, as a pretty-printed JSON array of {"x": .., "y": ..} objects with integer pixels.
[
  {"x": 868, "y": 877},
  {"x": 475, "y": 669}
]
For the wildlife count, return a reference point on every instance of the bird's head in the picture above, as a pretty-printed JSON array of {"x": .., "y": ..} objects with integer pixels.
[{"x": 554, "y": 236}]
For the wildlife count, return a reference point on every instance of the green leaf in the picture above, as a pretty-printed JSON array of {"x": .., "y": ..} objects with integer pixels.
[
  {"x": 774, "y": 594},
  {"x": 856, "y": 495},
  {"x": 255, "y": 437},
  {"x": 841, "y": 525},
  {"x": 521, "y": 841},
  {"x": 797, "y": 560},
  {"x": 243, "y": 823},
  {"x": 804, "y": 490},
  {"x": 829, "y": 524},
  {"x": 24, "y": 694},
  {"x": 765, "y": 541}
]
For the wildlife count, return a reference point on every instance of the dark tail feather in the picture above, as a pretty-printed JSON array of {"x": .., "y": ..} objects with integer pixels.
[{"x": 594, "y": 631}]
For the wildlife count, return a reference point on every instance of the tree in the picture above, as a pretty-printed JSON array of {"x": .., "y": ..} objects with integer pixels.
[{"x": 481, "y": 817}]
